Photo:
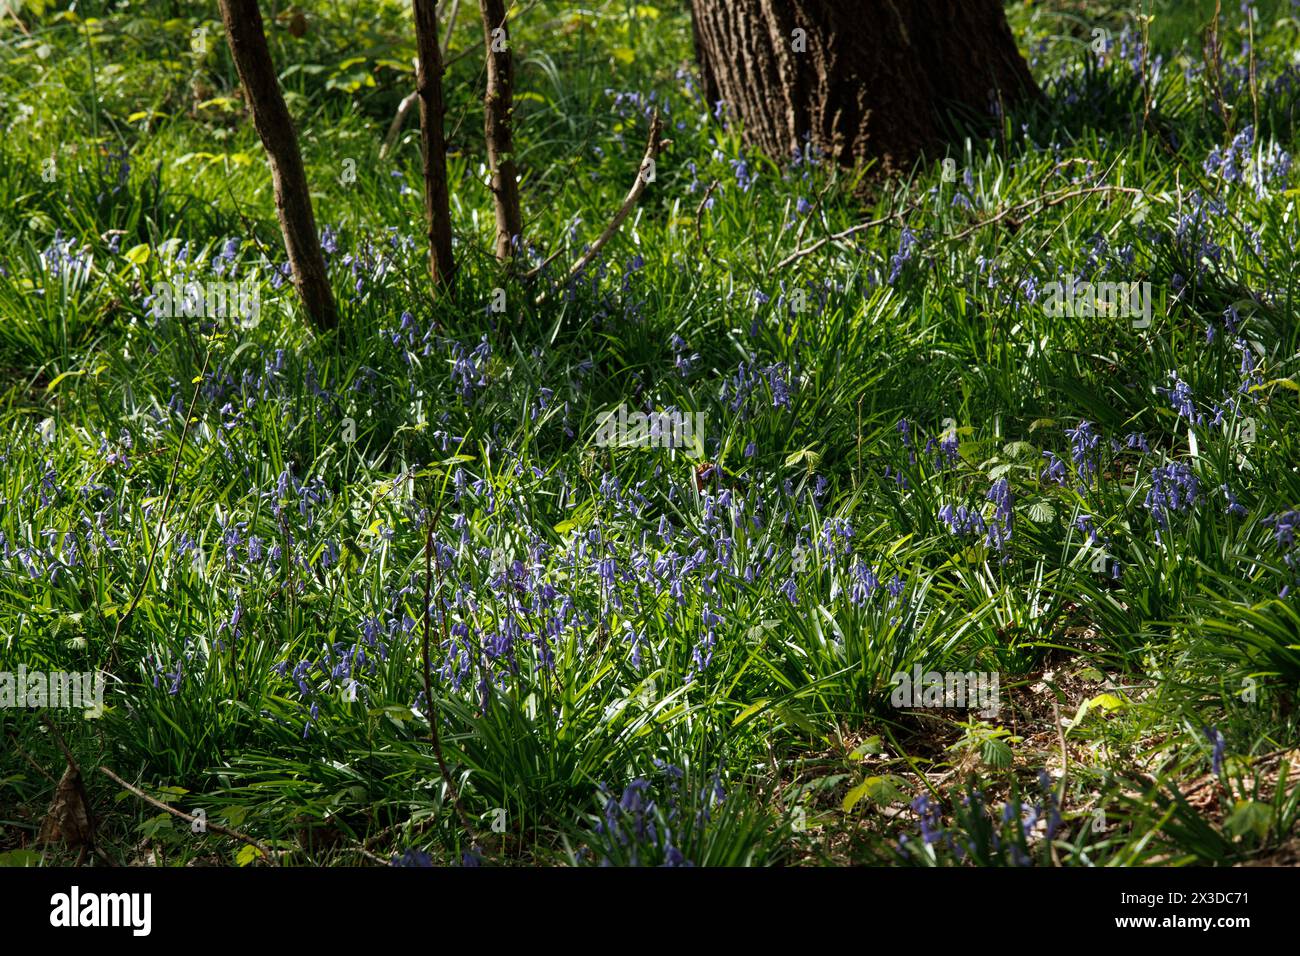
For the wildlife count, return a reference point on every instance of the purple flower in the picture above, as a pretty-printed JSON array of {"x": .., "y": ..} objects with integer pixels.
[
  {"x": 1083, "y": 449},
  {"x": 1180, "y": 398},
  {"x": 1173, "y": 489},
  {"x": 897, "y": 262},
  {"x": 1220, "y": 747},
  {"x": 1233, "y": 507},
  {"x": 1055, "y": 470},
  {"x": 999, "y": 529},
  {"x": 930, "y": 816}
]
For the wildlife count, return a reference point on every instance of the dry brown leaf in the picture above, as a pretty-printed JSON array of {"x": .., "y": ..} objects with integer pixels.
[{"x": 69, "y": 820}]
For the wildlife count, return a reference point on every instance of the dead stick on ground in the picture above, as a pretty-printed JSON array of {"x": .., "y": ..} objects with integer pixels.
[
  {"x": 214, "y": 827},
  {"x": 395, "y": 128},
  {"x": 1032, "y": 206},
  {"x": 836, "y": 237},
  {"x": 654, "y": 145},
  {"x": 1043, "y": 202}
]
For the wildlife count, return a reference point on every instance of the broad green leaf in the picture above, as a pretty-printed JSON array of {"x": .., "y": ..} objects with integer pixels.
[
  {"x": 879, "y": 790},
  {"x": 996, "y": 753},
  {"x": 246, "y": 855},
  {"x": 1041, "y": 512},
  {"x": 1250, "y": 816}
]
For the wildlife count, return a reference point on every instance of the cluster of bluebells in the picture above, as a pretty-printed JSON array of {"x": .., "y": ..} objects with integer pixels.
[
  {"x": 684, "y": 360},
  {"x": 65, "y": 257},
  {"x": 1181, "y": 400},
  {"x": 962, "y": 520},
  {"x": 632, "y": 103},
  {"x": 469, "y": 367},
  {"x": 339, "y": 670},
  {"x": 1173, "y": 490},
  {"x": 539, "y": 593},
  {"x": 740, "y": 390},
  {"x": 1218, "y": 748},
  {"x": 980, "y": 835},
  {"x": 1246, "y": 163},
  {"x": 635, "y": 830},
  {"x": 365, "y": 263},
  {"x": 1134, "y": 53},
  {"x": 1284, "y": 526},
  {"x": 1083, "y": 450},
  {"x": 907, "y": 243},
  {"x": 1193, "y": 233}
]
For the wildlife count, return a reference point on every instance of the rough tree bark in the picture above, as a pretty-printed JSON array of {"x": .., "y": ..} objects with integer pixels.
[
  {"x": 437, "y": 202},
  {"x": 866, "y": 79},
  {"x": 498, "y": 125},
  {"x": 243, "y": 21}
]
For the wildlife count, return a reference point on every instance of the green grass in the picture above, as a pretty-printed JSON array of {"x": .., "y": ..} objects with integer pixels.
[{"x": 719, "y": 693}]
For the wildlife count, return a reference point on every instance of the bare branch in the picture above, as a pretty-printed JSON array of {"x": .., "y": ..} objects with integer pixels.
[{"x": 654, "y": 145}]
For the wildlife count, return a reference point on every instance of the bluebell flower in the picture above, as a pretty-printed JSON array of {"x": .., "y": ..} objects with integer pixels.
[
  {"x": 1233, "y": 507},
  {"x": 897, "y": 262},
  {"x": 1083, "y": 449},
  {"x": 1055, "y": 470},
  {"x": 1137, "y": 440},
  {"x": 1173, "y": 489},
  {"x": 1220, "y": 746},
  {"x": 412, "y": 857},
  {"x": 1181, "y": 400}
]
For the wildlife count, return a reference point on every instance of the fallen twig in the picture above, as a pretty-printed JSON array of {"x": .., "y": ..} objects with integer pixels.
[
  {"x": 214, "y": 827},
  {"x": 654, "y": 145},
  {"x": 844, "y": 234},
  {"x": 699, "y": 214},
  {"x": 395, "y": 128},
  {"x": 1043, "y": 203}
]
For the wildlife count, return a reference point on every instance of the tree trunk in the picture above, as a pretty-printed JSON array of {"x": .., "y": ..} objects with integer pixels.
[
  {"x": 866, "y": 79},
  {"x": 498, "y": 128},
  {"x": 437, "y": 202},
  {"x": 274, "y": 126}
]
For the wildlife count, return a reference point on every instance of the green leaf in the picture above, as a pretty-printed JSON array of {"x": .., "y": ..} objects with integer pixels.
[
  {"x": 247, "y": 855},
  {"x": 879, "y": 790},
  {"x": 235, "y": 816},
  {"x": 22, "y": 858},
  {"x": 996, "y": 753},
  {"x": 793, "y": 718},
  {"x": 872, "y": 745},
  {"x": 1106, "y": 702},
  {"x": 805, "y": 455},
  {"x": 1250, "y": 816},
  {"x": 1041, "y": 512},
  {"x": 155, "y": 826},
  {"x": 1287, "y": 383}
]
